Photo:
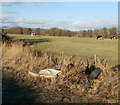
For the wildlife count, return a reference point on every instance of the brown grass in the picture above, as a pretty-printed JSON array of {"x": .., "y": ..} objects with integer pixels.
[{"x": 71, "y": 80}]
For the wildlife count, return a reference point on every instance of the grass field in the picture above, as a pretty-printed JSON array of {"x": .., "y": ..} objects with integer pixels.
[{"x": 81, "y": 47}]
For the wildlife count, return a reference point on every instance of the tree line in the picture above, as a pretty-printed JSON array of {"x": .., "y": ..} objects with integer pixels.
[
  {"x": 21, "y": 30},
  {"x": 54, "y": 31}
]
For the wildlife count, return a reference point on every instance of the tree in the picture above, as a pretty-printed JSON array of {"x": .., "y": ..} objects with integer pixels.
[
  {"x": 95, "y": 32},
  {"x": 105, "y": 32},
  {"x": 18, "y": 30},
  {"x": 113, "y": 31},
  {"x": 27, "y": 31},
  {"x": 14, "y": 30},
  {"x": 37, "y": 31},
  {"x": 54, "y": 31},
  {"x": 89, "y": 33},
  {"x": 79, "y": 33},
  {"x": 84, "y": 33}
]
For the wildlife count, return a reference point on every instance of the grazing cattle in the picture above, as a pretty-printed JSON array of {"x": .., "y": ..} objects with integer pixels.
[
  {"x": 113, "y": 37},
  {"x": 99, "y": 37}
]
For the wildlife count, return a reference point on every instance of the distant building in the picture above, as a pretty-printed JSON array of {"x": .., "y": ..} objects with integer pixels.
[{"x": 33, "y": 34}]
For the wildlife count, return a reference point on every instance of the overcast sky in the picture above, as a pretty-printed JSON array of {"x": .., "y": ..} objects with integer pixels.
[{"x": 67, "y": 15}]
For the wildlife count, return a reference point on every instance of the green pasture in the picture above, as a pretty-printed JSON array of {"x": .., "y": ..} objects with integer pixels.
[{"x": 80, "y": 47}]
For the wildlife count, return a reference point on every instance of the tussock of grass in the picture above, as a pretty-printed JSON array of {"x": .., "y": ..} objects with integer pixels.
[{"x": 71, "y": 80}]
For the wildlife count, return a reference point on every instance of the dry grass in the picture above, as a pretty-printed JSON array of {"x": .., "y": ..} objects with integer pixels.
[{"x": 71, "y": 80}]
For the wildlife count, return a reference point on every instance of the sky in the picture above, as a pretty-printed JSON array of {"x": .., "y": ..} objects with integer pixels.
[{"x": 73, "y": 16}]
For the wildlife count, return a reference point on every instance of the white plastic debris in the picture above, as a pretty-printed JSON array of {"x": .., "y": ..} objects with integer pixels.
[{"x": 45, "y": 73}]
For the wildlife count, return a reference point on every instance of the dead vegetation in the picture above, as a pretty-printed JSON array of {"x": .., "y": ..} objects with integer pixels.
[{"x": 71, "y": 85}]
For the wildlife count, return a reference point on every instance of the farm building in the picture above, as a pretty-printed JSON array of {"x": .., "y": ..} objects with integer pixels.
[{"x": 33, "y": 34}]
